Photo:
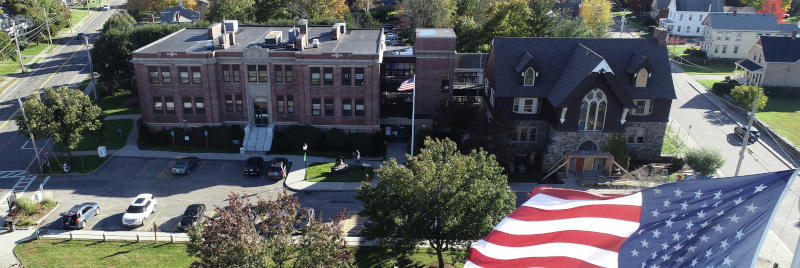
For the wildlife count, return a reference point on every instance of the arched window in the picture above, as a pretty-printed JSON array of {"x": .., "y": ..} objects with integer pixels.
[
  {"x": 592, "y": 114},
  {"x": 587, "y": 146},
  {"x": 530, "y": 76},
  {"x": 641, "y": 78}
]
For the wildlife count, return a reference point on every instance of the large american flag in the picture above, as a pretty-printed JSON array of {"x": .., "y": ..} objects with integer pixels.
[
  {"x": 694, "y": 223},
  {"x": 407, "y": 85}
]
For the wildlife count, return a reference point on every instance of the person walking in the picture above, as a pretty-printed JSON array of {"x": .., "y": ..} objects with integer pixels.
[{"x": 357, "y": 156}]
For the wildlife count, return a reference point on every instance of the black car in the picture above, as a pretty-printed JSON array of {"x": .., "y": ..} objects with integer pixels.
[
  {"x": 741, "y": 130},
  {"x": 184, "y": 165},
  {"x": 77, "y": 216},
  {"x": 254, "y": 165},
  {"x": 80, "y": 36},
  {"x": 277, "y": 171},
  {"x": 193, "y": 215}
]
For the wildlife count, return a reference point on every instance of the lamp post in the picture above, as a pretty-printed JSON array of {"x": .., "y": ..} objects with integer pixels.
[
  {"x": 185, "y": 133},
  {"x": 305, "y": 163},
  {"x": 91, "y": 66}
]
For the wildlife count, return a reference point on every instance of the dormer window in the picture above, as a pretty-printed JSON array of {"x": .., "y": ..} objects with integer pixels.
[
  {"x": 641, "y": 78},
  {"x": 527, "y": 105},
  {"x": 530, "y": 77}
]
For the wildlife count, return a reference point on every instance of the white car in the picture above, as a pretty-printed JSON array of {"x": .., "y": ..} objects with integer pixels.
[
  {"x": 106, "y": 7},
  {"x": 137, "y": 212}
]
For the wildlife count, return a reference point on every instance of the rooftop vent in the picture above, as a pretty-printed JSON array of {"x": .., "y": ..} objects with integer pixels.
[{"x": 273, "y": 39}]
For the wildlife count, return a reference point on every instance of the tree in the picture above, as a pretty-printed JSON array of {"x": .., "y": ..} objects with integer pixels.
[
  {"x": 111, "y": 54},
  {"x": 566, "y": 26},
  {"x": 456, "y": 116},
  {"x": 618, "y": 148},
  {"x": 364, "y": 5},
  {"x": 442, "y": 196},
  {"x": 8, "y": 52},
  {"x": 759, "y": 4},
  {"x": 65, "y": 114},
  {"x": 540, "y": 22},
  {"x": 508, "y": 19},
  {"x": 427, "y": 13},
  {"x": 319, "y": 9},
  {"x": 468, "y": 36},
  {"x": 596, "y": 15},
  {"x": 663, "y": 13},
  {"x": 704, "y": 160},
  {"x": 640, "y": 6},
  {"x": 242, "y": 10},
  {"x": 773, "y": 7},
  {"x": 272, "y": 10},
  {"x": 745, "y": 95},
  {"x": 155, "y": 7},
  {"x": 492, "y": 135}
]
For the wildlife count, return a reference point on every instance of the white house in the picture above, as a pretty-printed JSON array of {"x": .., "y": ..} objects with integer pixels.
[{"x": 686, "y": 16}]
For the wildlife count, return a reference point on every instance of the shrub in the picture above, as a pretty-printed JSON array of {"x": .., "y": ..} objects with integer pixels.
[
  {"x": 618, "y": 148},
  {"x": 299, "y": 135},
  {"x": 335, "y": 138},
  {"x": 378, "y": 143},
  {"x": 782, "y": 92},
  {"x": 704, "y": 160},
  {"x": 145, "y": 137},
  {"x": 723, "y": 88},
  {"x": 220, "y": 137},
  {"x": 362, "y": 142},
  {"x": 678, "y": 163},
  {"x": 198, "y": 137},
  {"x": 48, "y": 198},
  {"x": 698, "y": 53},
  {"x": 27, "y": 205},
  {"x": 745, "y": 95},
  {"x": 280, "y": 144}
]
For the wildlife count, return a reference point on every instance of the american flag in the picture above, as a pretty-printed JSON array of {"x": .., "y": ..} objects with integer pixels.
[
  {"x": 407, "y": 85},
  {"x": 693, "y": 223}
]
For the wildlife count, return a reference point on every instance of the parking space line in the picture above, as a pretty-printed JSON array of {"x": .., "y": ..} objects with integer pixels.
[
  {"x": 212, "y": 214},
  {"x": 109, "y": 208},
  {"x": 240, "y": 176},
  {"x": 220, "y": 170},
  {"x": 145, "y": 168},
  {"x": 154, "y": 218},
  {"x": 197, "y": 171},
  {"x": 166, "y": 173},
  {"x": 118, "y": 171},
  {"x": 176, "y": 225}
]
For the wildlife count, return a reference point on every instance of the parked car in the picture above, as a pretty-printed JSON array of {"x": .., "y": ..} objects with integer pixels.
[
  {"x": 80, "y": 36},
  {"x": 394, "y": 43},
  {"x": 194, "y": 214},
  {"x": 277, "y": 171},
  {"x": 741, "y": 130},
  {"x": 304, "y": 215},
  {"x": 140, "y": 208},
  {"x": 184, "y": 165},
  {"x": 106, "y": 7},
  {"x": 78, "y": 215},
  {"x": 254, "y": 165}
]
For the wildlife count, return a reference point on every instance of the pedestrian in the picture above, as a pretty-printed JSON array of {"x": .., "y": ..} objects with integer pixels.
[{"x": 357, "y": 156}]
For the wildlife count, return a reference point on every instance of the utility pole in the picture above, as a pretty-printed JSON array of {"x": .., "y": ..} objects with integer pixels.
[
  {"x": 33, "y": 140},
  {"x": 746, "y": 136},
  {"x": 44, "y": 9},
  {"x": 91, "y": 66},
  {"x": 622, "y": 22},
  {"x": 16, "y": 41}
]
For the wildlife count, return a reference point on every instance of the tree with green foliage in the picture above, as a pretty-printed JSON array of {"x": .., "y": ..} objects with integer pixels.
[
  {"x": 541, "y": 21},
  {"x": 7, "y": 48},
  {"x": 441, "y": 196},
  {"x": 468, "y": 36},
  {"x": 507, "y": 19},
  {"x": 427, "y": 13},
  {"x": 745, "y": 95},
  {"x": 271, "y": 10},
  {"x": 319, "y": 9},
  {"x": 618, "y": 148},
  {"x": 640, "y": 6},
  {"x": 111, "y": 54},
  {"x": 58, "y": 15},
  {"x": 242, "y": 10},
  {"x": 704, "y": 160},
  {"x": 596, "y": 15},
  {"x": 65, "y": 114},
  {"x": 567, "y": 26},
  {"x": 118, "y": 21},
  {"x": 492, "y": 135}
]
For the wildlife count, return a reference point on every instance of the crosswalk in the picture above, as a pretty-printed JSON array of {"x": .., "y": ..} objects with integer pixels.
[{"x": 12, "y": 174}]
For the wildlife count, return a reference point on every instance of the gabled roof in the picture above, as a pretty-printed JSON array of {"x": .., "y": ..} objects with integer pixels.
[
  {"x": 743, "y": 22},
  {"x": 780, "y": 49},
  {"x": 525, "y": 62},
  {"x": 565, "y": 62},
  {"x": 636, "y": 63},
  {"x": 749, "y": 65},
  {"x": 699, "y": 5},
  {"x": 471, "y": 60},
  {"x": 660, "y": 4},
  {"x": 787, "y": 28},
  {"x": 739, "y": 9},
  {"x": 186, "y": 15}
]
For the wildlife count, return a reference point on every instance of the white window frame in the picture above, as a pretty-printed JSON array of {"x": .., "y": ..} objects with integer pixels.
[
  {"x": 524, "y": 134},
  {"x": 727, "y": 36},
  {"x": 738, "y": 36},
  {"x": 642, "y": 76},
  {"x": 643, "y": 107},
  {"x": 724, "y": 49},
  {"x": 635, "y": 135},
  {"x": 520, "y": 105},
  {"x": 529, "y": 73}
]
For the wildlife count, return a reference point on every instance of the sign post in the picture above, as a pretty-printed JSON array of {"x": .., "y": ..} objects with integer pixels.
[
  {"x": 172, "y": 133},
  {"x": 205, "y": 132}
]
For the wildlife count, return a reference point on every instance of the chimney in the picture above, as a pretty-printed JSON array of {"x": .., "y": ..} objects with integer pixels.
[
  {"x": 303, "y": 26},
  {"x": 794, "y": 33},
  {"x": 177, "y": 16},
  {"x": 734, "y": 12},
  {"x": 660, "y": 34},
  {"x": 231, "y": 38}
]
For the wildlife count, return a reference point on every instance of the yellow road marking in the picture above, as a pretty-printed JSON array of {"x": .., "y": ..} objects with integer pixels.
[
  {"x": 220, "y": 170},
  {"x": 154, "y": 218},
  {"x": 118, "y": 171},
  {"x": 9, "y": 118},
  {"x": 166, "y": 173},
  {"x": 62, "y": 66},
  {"x": 176, "y": 225},
  {"x": 145, "y": 168},
  {"x": 109, "y": 207},
  {"x": 212, "y": 214},
  {"x": 240, "y": 176}
]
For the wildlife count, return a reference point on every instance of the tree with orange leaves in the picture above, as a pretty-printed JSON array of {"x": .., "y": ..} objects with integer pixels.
[{"x": 773, "y": 7}]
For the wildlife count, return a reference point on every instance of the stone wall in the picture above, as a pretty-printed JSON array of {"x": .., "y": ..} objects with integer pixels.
[
  {"x": 560, "y": 141},
  {"x": 532, "y": 149},
  {"x": 785, "y": 144},
  {"x": 653, "y": 141}
]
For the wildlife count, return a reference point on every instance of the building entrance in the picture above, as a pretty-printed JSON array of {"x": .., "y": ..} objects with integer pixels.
[{"x": 261, "y": 111}]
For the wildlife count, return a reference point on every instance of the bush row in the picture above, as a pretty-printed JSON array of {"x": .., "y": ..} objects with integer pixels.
[{"x": 332, "y": 140}]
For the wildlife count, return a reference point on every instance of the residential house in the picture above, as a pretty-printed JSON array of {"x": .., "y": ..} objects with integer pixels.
[
  {"x": 772, "y": 61},
  {"x": 573, "y": 94},
  {"x": 731, "y": 9},
  {"x": 202, "y": 8},
  {"x": 657, "y": 5},
  {"x": 686, "y": 16},
  {"x": 178, "y": 14},
  {"x": 729, "y": 35}
]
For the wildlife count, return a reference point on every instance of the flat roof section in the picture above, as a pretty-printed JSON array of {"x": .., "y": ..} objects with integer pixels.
[{"x": 436, "y": 33}]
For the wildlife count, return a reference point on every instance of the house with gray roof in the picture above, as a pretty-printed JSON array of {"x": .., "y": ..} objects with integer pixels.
[
  {"x": 771, "y": 61},
  {"x": 178, "y": 14},
  {"x": 686, "y": 16},
  {"x": 574, "y": 94},
  {"x": 729, "y": 35}
]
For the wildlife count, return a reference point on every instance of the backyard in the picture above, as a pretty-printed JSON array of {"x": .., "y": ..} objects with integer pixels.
[{"x": 783, "y": 115}]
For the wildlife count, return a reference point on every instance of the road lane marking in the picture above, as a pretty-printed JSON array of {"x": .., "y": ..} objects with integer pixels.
[
  {"x": 166, "y": 173},
  {"x": 145, "y": 168},
  {"x": 154, "y": 218},
  {"x": 220, "y": 170},
  {"x": 9, "y": 118}
]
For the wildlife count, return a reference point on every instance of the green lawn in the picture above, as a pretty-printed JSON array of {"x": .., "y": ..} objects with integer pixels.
[
  {"x": 670, "y": 145},
  {"x": 88, "y": 253},
  {"x": 112, "y": 140},
  {"x": 792, "y": 20},
  {"x": 783, "y": 115},
  {"x": 79, "y": 164},
  {"x": 122, "y": 103},
  {"x": 708, "y": 83},
  {"x": 78, "y": 14},
  {"x": 379, "y": 257},
  {"x": 714, "y": 69},
  {"x": 321, "y": 172},
  {"x": 677, "y": 50}
]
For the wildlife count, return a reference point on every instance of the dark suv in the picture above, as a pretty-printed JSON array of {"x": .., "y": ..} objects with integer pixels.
[
  {"x": 77, "y": 216},
  {"x": 193, "y": 215},
  {"x": 741, "y": 130},
  {"x": 254, "y": 165},
  {"x": 277, "y": 171}
]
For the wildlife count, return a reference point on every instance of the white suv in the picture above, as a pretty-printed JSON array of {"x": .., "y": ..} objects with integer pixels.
[{"x": 137, "y": 212}]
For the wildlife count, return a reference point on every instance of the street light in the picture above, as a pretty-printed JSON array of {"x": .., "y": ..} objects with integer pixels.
[
  {"x": 91, "y": 67},
  {"x": 185, "y": 133},
  {"x": 305, "y": 163}
]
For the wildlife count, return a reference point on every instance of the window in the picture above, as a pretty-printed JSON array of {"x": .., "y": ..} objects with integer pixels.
[
  {"x": 187, "y": 105},
  {"x": 592, "y": 113},
  {"x": 524, "y": 133},
  {"x": 153, "y": 74},
  {"x": 359, "y": 77},
  {"x": 199, "y": 105},
  {"x": 226, "y": 73},
  {"x": 527, "y": 105},
  {"x": 347, "y": 107},
  {"x": 716, "y": 49},
  {"x": 347, "y": 77},
  {"x": 262, "y": 74},
  {"x": 700, "y": 17},
  {"x": 635, "y": 135},
  {"x": 329, "y": 107},
  {"x": 468, "y": 80},
  {"x": 314, "y": 76},
  {"x": 278, "y": 74},
  {"x": 288, "y": 70},
  {"x": 688, "y": 28},
  {"x": 170, "y": 104},
  {"x": 166, "y": 76},
  {"x": 724, "y": 49},
  {"x": 445, "y": 82},
  {"x": 681, "y": 18},
  {"x": 727, "y": 36},
  {"x": 359, "y": 107},
  {"x": 239, "y": 105},
  {"x": 529, "y": 77},
  {"x": 290, "y": 104},
  {"x": 735, "y": 49},
  {"x": 281, "y": 109},
  {"x": 698, "y": 30},
  {"x": 196, "y": 79},
  {"x": 229, "y": 103},
  {"x": 316, "y": 107},
  {"x": 158, "y": 105},
  {"x": 252, "y": 73},
  {"x": 641, "y": 78},
  {"x": 184, "y": 72},
  {"x": 690, "y": 16},
  {"x": 738, "y": 36},
  {"x": 328, "y": 75},
  {"x": 236, "y": 75},
  {"x": 679, "y": 27},
  {"x": 719, "y": 36},
  {"x": 643, "y": 107}
]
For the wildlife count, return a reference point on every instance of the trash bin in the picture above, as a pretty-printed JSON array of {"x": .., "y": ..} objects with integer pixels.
[
  {"x": 101, "y": 151},
  {"x": 241, "y": 150}
]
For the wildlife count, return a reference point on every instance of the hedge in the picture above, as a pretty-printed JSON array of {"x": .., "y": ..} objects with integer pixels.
[{"x": 723, "y": 88}]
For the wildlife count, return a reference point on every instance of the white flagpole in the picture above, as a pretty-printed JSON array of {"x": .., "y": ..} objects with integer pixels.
[
  {"x": 771, "y": 218},
  {"x": 413, "y": 112}
]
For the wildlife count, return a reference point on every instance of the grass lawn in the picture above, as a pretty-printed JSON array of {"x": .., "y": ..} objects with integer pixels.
[
  {"x": 670, "y": 145},
  {"x": 90, "y": 163},
  {"x": 708, "y": 83},
  {"x": 677, "y": 50},
  {"x": 321, "y": 172},
  {"x": 784, "y": 116},
  {"x": 714, "y": 69},
  {"x": 379, "y": 257},
  {"x": 78, "y": 14},
  {"x": 88, "y": 253},
  {"x": 792, "y": 20},
  {"x": 122, "y": 103},
  {"x": 112, "y": 141}
]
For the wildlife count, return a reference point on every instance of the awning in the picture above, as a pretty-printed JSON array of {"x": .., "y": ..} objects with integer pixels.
[
  {"x": 668, "y": 21},
  {"x": 749, "y": 65}
]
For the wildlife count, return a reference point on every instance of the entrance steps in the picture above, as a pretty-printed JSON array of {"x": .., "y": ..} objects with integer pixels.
[{"x": 258, "y": 139}]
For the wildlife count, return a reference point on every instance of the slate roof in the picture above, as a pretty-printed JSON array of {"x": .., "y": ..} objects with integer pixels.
[
  {"x": 699, "y": 5},
  {"x": 168, "y": 14},
  {"x": 471, "y": 60},
  {"x": 743, "y": 22},
  {"x": 780, "y": 49},
  {"x": 565, "y": 62},
  {"x": 749, "y": 65},
  {"x": 787, "y": 28},
  {"x": 660, "y": 4}
]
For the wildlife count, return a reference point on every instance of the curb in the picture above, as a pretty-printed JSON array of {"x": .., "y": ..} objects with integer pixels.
[
  {"x": 81, "y": 174},
  {"x": 45, "y": 216}
]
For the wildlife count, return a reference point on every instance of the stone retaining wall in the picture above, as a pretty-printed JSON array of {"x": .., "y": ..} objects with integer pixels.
[{"x": 787, "y": 146}]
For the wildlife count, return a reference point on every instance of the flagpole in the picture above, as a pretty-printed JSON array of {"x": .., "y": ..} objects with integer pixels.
[
  {"x": 771, "y": 218},
  {"x": 413, "y": 113}
]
